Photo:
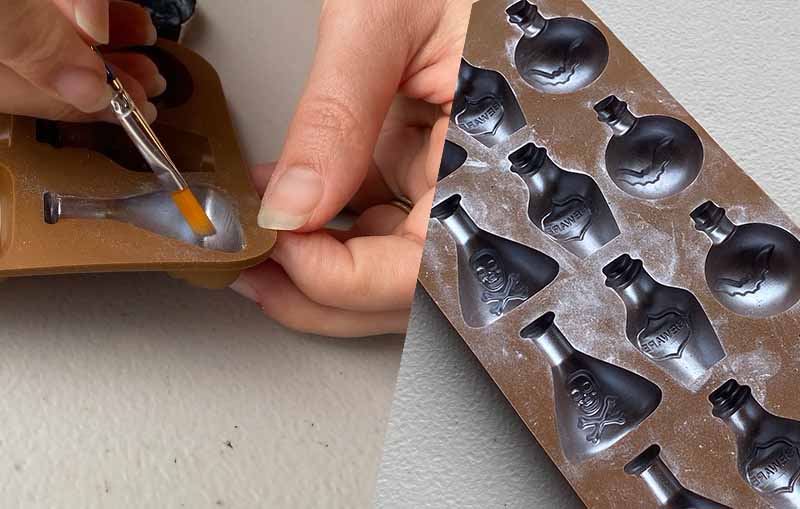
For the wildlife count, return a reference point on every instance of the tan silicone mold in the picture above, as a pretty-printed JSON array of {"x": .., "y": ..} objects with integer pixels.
[
  {"x": 760, "y": 352},
  {"x": 194, "y": 126}
]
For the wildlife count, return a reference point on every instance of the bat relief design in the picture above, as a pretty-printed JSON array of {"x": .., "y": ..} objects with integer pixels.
[
  {"x": 662, "y": 157},
  {"x": 598, "y": 411},
  {"x": 753, "y": 281},
  {"x": 501, "y": 289},
  {"x": 562, "y": 74}
]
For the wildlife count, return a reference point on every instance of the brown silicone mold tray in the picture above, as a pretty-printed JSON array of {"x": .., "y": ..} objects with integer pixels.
[
  {"x": 78, "y": 198},
  {"x": 612, "y": 269}
]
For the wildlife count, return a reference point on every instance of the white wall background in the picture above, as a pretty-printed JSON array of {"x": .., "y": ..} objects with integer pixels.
[
  {"x": 453, "y": 440},
  {"x": 123, "y": 391}
]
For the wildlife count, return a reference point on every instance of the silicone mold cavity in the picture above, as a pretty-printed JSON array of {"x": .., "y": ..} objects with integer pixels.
[
  {"x": 557, "y": 55},
  {"x": 495, "y": 275},
  {"x": 651, "y": 157},
  {"x": 752, "y": 269}
]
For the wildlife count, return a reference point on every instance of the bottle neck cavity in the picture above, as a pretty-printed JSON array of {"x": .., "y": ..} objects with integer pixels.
[
  {"x": 616, "y": 114},
  {"x": 58, "y": 206},
  {"x": 461, "y": 227},
  {"x": 747, "y": 418},
  {"x": 535, "y": 167},
  {"x": 527, "y": 17},
  {"x": 713, "y": 221},
  {"x": 554, "y": 345},
  {"x": 630, "y": 280},
  {"x": 662, "y": 482}
]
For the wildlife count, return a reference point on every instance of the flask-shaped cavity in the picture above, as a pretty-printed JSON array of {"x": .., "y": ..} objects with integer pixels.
[
  {"x": 650, "y": 157},
  {"x": 768, "y": 446},
  {"x": 453, "y": 158},
  {"x": 485, "y": 106},
  {"x": 156, "y": 212},
  {"x": 596, "y": 403},
  {"x": 666, "y": 324},
  {"x": 752, "y": 269},
  {"x": 495, "y": 275},
  {"x": 668, "y": 492},
  {"x": 567, "y": 206},
  {"x": 557, "y": 55}
]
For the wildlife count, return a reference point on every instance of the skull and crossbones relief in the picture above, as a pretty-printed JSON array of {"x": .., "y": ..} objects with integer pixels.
[
  {"x": 501, "y": 289},
  {"x": 598, "y": 411}
]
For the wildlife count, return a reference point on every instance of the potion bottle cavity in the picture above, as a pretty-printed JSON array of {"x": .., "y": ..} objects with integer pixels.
[
  {"x": 567, "y": 206},
  {"x": 485, "y": 107},
  {"x": 596, "y": 403},
  {"x": 155, "y": 212},
  {"x": 495, "y": 275},
  {"x": 665, "y": 487},
  {"x": 666, "y": 324},
  {"x": 768, "y": 446},
  {"x": 558, "y": 55},
  {"x": 752, "y": 268},
  {"x": 649, "y": 157}
]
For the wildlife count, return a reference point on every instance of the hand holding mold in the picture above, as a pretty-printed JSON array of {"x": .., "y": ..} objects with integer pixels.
[
  {"x": 49, "y": 70},
  {"x": 367, "y": 136}
]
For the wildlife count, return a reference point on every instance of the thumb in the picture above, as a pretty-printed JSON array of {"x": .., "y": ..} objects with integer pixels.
[
  {"x": 358, "y": 68},
  {"x": 40, "y": 44}
]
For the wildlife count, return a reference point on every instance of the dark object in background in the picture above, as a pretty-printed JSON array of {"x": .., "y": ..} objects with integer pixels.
[
  {"x": 169, "y": 16},
  {"x": 666, "y": 488},
  {"x": 768, "y": 446}
]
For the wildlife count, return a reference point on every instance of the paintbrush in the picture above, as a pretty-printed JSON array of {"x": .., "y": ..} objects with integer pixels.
[{"x": 148, "y": 144}]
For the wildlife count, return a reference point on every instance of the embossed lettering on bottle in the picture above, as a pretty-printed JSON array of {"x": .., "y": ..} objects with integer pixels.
[
  {"x": 596, "y": 403},
  {"x": 485, "y": 106},
  {"x": 666, "y": 334},
  {"x": 495, "y": 275},
  {"x": 666, "y": 324},
  {"x": 768, "y": 446},
  {"x": 567, "y": 206},
  {"x": 483, "y": 116},
  {"x": 774, "y": 467},
  {"x": 751, "y": 268}
]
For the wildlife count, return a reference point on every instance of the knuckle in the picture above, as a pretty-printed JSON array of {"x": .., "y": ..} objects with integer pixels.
[{"x": 332, "y": 118}]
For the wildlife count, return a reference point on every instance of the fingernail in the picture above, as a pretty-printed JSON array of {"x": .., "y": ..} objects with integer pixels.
[
  {"x": 83, "y": 88},
  {"x": 157, "y": 86},
  {"x": 291, "y": 199},
  {"x": 152, "y": 35},
  {"x": 150, "y": 112},
  {"x": 92, "y": 17},
  {"x": 243, "y": 288}
]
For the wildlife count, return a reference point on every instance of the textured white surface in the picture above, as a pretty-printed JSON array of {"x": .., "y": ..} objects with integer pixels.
[
  {"x": 124, "y": 391},
  {"x": 453, "y": 440}
]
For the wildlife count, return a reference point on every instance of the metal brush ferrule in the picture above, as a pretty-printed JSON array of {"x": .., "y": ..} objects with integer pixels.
[{"x": 143, "y": 137}]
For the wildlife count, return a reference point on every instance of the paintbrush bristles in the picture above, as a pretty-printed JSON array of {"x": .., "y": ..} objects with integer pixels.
[{"x": 193, "y": 213}]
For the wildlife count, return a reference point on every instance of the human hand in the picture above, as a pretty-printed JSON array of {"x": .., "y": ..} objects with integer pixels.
[
  {"x": 49, "y": 70},
  {"x": 369, "y": 129}
]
